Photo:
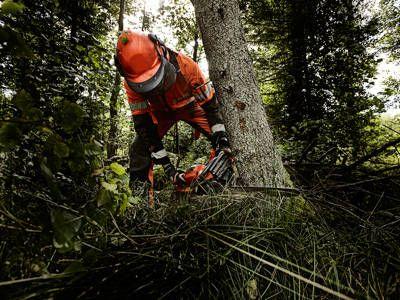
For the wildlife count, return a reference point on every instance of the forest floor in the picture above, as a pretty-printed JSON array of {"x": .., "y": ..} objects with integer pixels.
[{"x": 235, "y": 246}]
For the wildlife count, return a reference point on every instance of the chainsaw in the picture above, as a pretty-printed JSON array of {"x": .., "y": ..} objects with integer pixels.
[
  {"x": 208, "y": 178},
  {"x": 218, "y": 174}
]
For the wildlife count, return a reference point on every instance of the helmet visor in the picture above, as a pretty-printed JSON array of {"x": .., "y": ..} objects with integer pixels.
[{"x": 161, "y": 81}]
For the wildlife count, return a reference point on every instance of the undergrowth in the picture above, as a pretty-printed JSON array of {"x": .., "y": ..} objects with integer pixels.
[{"x": 230, "y": 246}]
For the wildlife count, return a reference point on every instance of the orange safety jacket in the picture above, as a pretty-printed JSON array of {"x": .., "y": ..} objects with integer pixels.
[{"x": 190, "y": 85}]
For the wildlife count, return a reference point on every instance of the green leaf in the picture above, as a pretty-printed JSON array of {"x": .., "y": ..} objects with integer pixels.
[
  {"x": 76, "y": 165},
  {"x": 75, "y": 267},
  {"x": 104, "y": 198},
  {"x": 80, "y": 48},
  {"x": 135, "y": 200},
  {"x": 11, "y": 7},
  {"x": 66, "y": 227},
  {"x": 34, "y": 114},
  {"x": 92, "y": 149},
  {"x": 71, "y": 116},
  {"x": 117, "y": 169},
  {"x": 15, "y": 44},
  {"x": 23, "y": 100},
  {"x": 124, "y": 205},
  {"x": 98, "y": 172},
  {"x": 124, "y": 40},
  {"x": 10, "y": 136},
  {"x": 46, "y": 171},
  {"x": 61, "y": 150},
  {"x": 109, "y": 186},
  {"x": 46, "y": 129}
]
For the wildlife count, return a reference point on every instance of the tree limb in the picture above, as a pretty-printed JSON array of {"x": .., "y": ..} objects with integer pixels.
[{"x": 372, "y": 154}]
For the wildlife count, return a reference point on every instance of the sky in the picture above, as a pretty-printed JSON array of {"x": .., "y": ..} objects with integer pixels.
[{"x": 385, "y": 68}]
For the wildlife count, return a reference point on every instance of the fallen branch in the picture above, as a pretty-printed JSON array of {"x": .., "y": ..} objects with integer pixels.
[
  {"x": 359, "y": 183},
  {"x": 372, "y": 154}
]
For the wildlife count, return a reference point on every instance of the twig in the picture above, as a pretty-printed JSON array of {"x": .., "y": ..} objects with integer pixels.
[
  {"x": 44, "y": 277},
  {"x": 376, "y": 205},
  {"x": 283, "y": 270},
  {"x": 6, "y": 213},
  {"x": 390, "y": 128},
  {"x": 358, "y": 183},
  {"x": 383, "y": 170},
  {"x": 326, "y": 153},
  {"x": 56, "y": 204},
  {"x": 18, "y": 228},
  {"x": 19, "y": 121},
  {"x": 306, "y": 151},
  {"x": 119, "y": 230},
  {"x": 175, "y": 287}
]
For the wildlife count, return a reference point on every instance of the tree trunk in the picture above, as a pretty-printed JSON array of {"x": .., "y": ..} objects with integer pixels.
[
  {"x": 112, "y": 135},
  {"x": 144, "y": 17},
  {"x": 232, "y": 73},
  {"x": 196, "y": 46},
  {"x": 298, "y": 106}
]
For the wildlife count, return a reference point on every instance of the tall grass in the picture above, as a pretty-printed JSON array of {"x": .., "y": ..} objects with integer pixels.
[{"x": 233, "y": 246}]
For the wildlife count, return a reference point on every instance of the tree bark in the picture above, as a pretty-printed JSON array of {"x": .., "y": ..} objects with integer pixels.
[
  {"x": 112, "y": 145},
  {"x": 196, "y": 46},
  {"x": 232, "y": 73}
]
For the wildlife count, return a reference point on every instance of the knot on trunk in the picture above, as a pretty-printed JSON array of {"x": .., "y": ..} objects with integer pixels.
[
  {"x": 240, "y": 105},
  {"x": 221, "y": 13}
]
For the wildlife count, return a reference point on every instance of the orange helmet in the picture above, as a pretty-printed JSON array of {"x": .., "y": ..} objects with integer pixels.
[{"x": 140, "y": 61}]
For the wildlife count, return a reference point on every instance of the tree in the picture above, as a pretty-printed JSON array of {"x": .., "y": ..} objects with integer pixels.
[
  {"x": 317, "y": 75},
  {"x": 179, "y": 15},
  {"x": 390, "y": 27},
  {"x": 146, "y": 18},
  {"x": 390, "y": 41},
  {"x": 232, "y": 73},
  {"x": 112, "y": 135},
  {"x": 55, "y": 78}
]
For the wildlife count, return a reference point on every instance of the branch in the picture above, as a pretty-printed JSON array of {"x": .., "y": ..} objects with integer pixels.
[
  {"x": 372, "y": 154},
  {"x": 336, "y": 187},
  {"x": 390, "y": 128},
  {"x": 392, "y": 167},
  {"x": 306, "y": 151},
  {"x": 19, "y": 121}
]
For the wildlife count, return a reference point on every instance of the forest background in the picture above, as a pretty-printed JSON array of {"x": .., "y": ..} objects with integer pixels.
[{"x": 69, "y": 224}]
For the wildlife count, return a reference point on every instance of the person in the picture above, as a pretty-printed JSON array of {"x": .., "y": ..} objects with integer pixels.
[{"x": 163, "y": 87}]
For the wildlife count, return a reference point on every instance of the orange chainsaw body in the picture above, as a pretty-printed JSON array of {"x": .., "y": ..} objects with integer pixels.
[
  {"x": 191, "y": 175},
  {"x": 217, "y": 171}
]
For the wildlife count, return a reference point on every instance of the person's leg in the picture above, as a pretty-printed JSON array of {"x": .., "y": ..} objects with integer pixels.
[
  {"x": 140, "y": 164},
  {"x": 139, "y": 169},
  {"x": 140, "y": 160}
]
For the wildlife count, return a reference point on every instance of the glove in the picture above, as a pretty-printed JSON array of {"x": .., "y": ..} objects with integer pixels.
[
  {"x": 177, "y": 177},
  {"x": 219, "y": 140}
]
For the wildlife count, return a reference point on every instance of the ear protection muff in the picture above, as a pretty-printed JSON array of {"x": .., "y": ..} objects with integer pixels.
[
  {"x": 169, "y": 69},
  {"x": 169, "y": 76}
]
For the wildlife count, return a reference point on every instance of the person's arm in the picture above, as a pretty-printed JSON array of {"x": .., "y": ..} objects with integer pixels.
[
  {"x": 148, "y": 131},
  {"x": 213, "y": 114},
  {"x": 204, "y": 93},
  {"x": 219, "y": 138},
  {"x": 142, "y": 121}
]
